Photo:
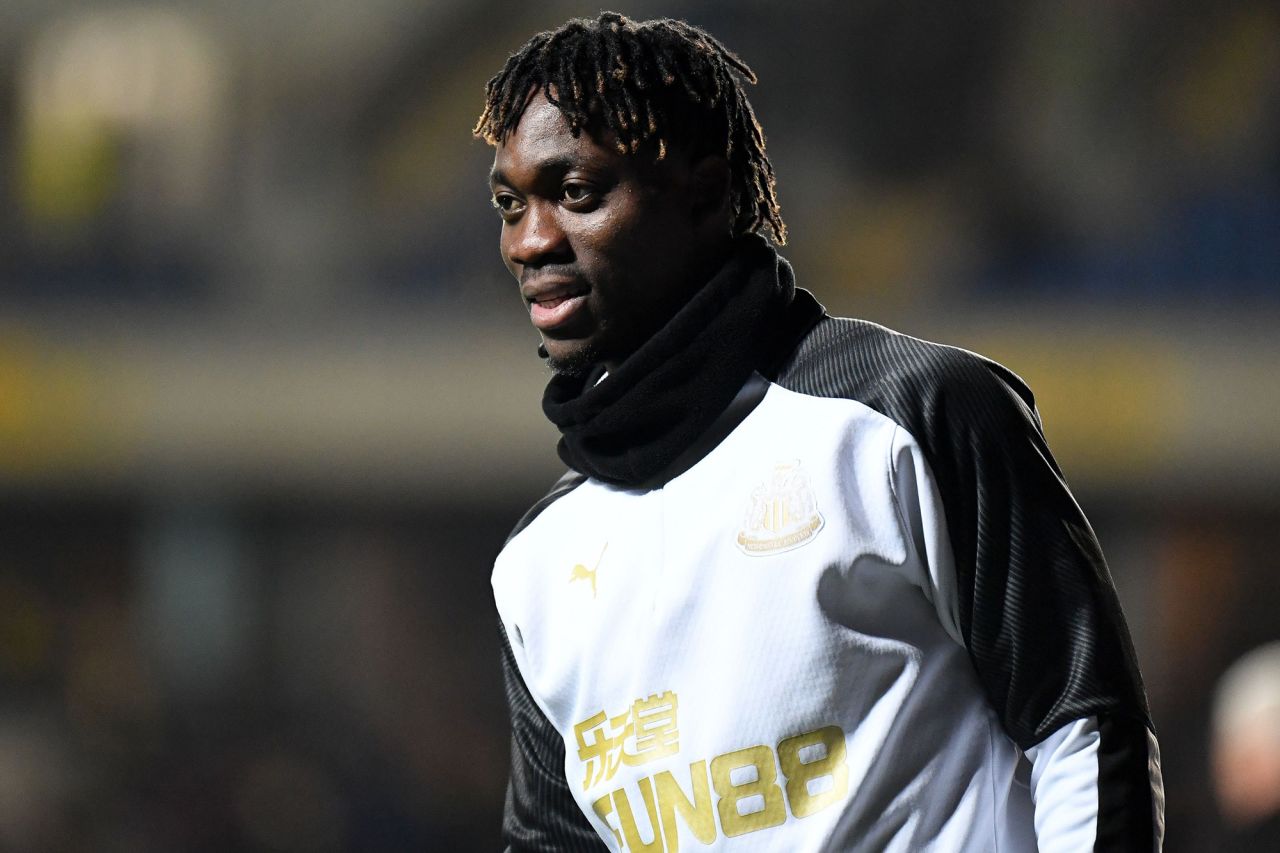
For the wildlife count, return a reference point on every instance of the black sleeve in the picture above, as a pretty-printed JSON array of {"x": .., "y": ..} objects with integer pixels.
[
  {"x": 1038, "y": 609},
  {"x": 541, "y": 815}
]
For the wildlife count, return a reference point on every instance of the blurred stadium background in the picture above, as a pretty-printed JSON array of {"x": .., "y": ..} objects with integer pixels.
[{"x": 269, "y": 404}]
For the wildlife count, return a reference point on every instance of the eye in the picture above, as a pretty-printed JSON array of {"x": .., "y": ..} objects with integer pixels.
[
  {"x": 577, "y": 194},
  {"x": 507, "y": 204}
]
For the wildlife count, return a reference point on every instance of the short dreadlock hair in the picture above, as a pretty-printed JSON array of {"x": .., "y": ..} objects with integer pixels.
[{"x": 652, "y": 84}]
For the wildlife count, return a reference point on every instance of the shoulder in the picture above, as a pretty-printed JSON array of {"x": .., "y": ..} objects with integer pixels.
[
  {"x": 923, "y": 386},
  {"x": 566, "y": 484}
]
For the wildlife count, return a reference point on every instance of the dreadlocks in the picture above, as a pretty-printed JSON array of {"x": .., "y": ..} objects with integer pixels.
[{"x": 650, "y": 84}]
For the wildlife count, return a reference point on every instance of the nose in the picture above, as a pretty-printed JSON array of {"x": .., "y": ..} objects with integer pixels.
[{"x": 535, "y": 239}]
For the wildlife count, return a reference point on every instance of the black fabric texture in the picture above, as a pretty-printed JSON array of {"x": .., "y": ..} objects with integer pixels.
[
  {"x": 628, "y": 428},
  {"x": 1126, "y": 765},
  {"x": 1038, "y": 609},
  {"x": 541, "y": 815},
  {"x": 750, "y": 396}
]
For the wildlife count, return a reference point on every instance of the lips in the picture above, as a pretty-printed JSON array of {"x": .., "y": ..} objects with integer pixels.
[{"x": 552, "y": 304}]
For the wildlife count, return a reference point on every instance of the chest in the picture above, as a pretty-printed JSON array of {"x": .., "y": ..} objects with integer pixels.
[{"x": 737, "y": 584}]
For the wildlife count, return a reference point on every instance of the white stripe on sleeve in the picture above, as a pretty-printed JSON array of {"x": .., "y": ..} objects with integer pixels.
[{"x": 1064, "y": 787}]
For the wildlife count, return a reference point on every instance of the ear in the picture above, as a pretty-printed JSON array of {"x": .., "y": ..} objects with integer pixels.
[{"x": 710, "y": 178}]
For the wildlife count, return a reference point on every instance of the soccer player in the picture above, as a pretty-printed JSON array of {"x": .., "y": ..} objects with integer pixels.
[{"x": 809, "y": 584}]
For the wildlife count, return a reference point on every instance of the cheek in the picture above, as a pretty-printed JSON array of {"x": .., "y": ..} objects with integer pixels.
[
  {"x": 626, "y": 244},
  {"x": 622, "y": 232},
  {"x": 604, "y": 249},
  {"x": 602, "y": 232}
]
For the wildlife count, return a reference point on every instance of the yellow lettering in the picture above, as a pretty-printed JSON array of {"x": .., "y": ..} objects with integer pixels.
[
  {"x": 603, "y": 808},
  {"x": 732, "y": 821},
  {"x": 830, "y": 763},
  {"x": 698, "y": 813},
  {"x": 625, "y": 817}
]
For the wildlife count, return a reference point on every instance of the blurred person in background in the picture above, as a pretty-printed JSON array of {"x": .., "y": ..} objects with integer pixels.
[
  {"x": 804, "y": 569},
  {"x": 1246, "y": 750}
]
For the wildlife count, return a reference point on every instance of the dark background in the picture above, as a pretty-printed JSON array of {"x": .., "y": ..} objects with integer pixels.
[{"x": 269, "y": 403}]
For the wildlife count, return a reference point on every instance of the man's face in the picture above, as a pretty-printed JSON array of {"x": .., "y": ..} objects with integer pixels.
[{"x": 604, "y": 245}]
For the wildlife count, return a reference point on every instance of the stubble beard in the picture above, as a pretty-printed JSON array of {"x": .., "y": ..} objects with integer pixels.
[{"x": 577, "y": 364}]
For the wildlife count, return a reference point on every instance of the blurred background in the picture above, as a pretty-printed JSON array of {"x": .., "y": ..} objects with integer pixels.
[{"x": 269, "y": 403}]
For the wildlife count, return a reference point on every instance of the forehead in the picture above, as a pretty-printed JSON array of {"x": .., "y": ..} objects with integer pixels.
[{"x": 543, "y": 137}]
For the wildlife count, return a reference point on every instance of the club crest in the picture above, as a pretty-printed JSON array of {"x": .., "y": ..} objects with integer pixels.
[{"x": 782, "y": 513}]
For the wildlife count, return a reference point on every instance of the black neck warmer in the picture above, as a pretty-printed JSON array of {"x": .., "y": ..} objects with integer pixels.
[{"x": 629, "y": 428}]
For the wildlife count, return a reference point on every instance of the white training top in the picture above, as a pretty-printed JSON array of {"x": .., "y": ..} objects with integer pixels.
[{"x": 765, "y": 654}]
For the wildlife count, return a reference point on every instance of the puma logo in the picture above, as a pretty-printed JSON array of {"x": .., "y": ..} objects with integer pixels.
[{"x": 582, "y": 573}]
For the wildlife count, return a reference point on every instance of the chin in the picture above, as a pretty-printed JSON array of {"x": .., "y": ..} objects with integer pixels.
[{"x": 575, "y": 359}]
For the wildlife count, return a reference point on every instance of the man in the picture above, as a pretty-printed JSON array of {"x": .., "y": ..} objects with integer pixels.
[{"x": 810, "y": 584}]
